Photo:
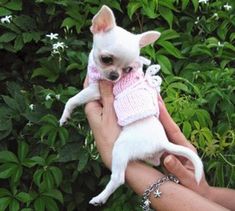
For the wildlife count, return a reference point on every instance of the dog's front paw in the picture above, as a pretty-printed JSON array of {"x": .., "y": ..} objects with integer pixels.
[
  {"x": 97, "y": 201},
  {"x": 63, "y": 119}
]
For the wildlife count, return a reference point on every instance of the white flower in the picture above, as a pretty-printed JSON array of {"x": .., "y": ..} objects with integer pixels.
[
  {"x": 216, "y": 16},
  {"x": 29, "y": 124},
  {"x": 59, "y": 45},
  {"x": 6, "y": 19},
  {"x": 203, "y": 1},
  {"x": 48, "y": 97},
  {"x": 31, "y": 107},
  {"x": 54, "y": 51},
  {"x": 197, "y": 21},
  {"x": 52, "y": 36},
  {"x": 57, "y": 96},
  {"x": 227, "y": 7},
  {"x": 220, "y": 44}
]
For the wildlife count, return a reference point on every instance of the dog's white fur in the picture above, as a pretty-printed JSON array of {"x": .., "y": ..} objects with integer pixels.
[{"x": 141, "y": 139}]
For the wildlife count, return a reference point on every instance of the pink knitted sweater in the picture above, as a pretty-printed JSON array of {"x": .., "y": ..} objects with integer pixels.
[{"x": 135, "y": 94}]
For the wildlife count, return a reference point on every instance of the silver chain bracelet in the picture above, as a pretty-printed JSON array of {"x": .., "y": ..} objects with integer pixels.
[{"x": 155, "y": 189}]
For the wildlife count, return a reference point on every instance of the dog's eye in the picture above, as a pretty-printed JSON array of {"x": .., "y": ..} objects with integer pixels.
[
  {"x": 108, "y": 60},
  {"x": 127, "y": 69}
]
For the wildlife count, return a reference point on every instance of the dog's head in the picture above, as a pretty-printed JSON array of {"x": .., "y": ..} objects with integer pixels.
[{"x": 114, "y": 48}]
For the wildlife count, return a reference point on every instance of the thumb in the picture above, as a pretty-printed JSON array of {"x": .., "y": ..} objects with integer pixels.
[
  {"x": 106, "y": 91},
  {"x": 174, "y": 166}
]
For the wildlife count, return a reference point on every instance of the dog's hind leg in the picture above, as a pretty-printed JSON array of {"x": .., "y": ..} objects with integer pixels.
[{"x": 119, "y": 163}]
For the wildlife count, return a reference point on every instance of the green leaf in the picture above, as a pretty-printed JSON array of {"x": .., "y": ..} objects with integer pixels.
[
  {"x": 57, "y": 175},
  {"x": 51, "y": 159},
  {"x": 14, "y": 205},
  {"x": 69, "y": 152},
  {"x": 11, "y": 103},
  {"x": 28, "y": 163},
  {"x": 64, "y": 135},
  {"x": 27, "y": 37},
  {"x": 184, "y": 4},
  {"x": 199, "y": 50},
  {"x": 150, "y": 9},
  {"x": 167, "y": 15},
  {"x": 51, "y": 119},
  {"x": 39, "y": 204},
  {"x": 45, "y": 130},
  {"x": 5, "y": 128},
  {"x": 14, "y": 5},
  {"x": 7, "y": 170},
  {"x": 37, "y": 177},
  {"x": 187, "y": 129},
  {"x": 179, "y": 86},
  {"x": 25, "y": 22},
  {"x": 223, "y": 30},
  {"x": 42, "y": 71},
  {"x": 170, "y": 48},
  {"x": 55, "y": 194},
  {"x": 38, "y": 160},
  {"x": 4, "y": 192},
  {"x": 4, "y": 11},
  {"x": 7, "y": 156},
  {"x": 73, "y": 66},
  {"x": 7, "y": 37},
  {"x": 83, "y": 159},
  {"x": 68, "y": 22},
  {"x": 50, "y": 204},
  {"x": 48, "y": 180},
  {"x": 24, "y": 197},
  {"x": 169, "y": 35},
  {"x": 196, "y": 5},
  {"x": 4, "y": 202},
  {"x": 19, "y": 44},
  {"x": 17, "y": 175},
  {"x": 232, "y": 37},
  {"x": 132, "y": 7},
  {"x": 52, "y": 137},
  {"x": 23, "y": 150},
  {"x": 165, "y": 64}
]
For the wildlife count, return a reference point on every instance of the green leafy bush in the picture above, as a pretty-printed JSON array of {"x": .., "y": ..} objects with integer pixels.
[{"x": 47, "y": 167}]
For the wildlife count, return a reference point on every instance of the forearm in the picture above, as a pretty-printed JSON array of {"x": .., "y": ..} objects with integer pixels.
[
  {"x": 175, "y": 197},
  {"x": 223, "y": 196}
]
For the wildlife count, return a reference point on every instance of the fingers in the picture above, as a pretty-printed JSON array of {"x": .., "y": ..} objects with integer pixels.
[
  {"x": 106, "y": 91},
  {"x": 175, "y": 167},
  {"x": 93, "y": 112},
  {"x": 172, "y": 129}
]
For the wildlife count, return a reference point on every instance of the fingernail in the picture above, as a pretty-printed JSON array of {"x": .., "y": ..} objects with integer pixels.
[{"x": 169, "y": 160}]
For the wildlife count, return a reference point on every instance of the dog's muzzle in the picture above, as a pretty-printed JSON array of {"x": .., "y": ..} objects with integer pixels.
[{"x": 113, "y": 76}]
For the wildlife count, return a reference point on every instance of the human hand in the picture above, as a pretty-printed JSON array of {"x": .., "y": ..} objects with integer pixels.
[
  {"x": 180, "y": 167},
  {"x": 103, "y": 121}
]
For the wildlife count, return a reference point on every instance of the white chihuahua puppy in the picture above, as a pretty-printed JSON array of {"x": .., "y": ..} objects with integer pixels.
[{"x": 115, "y": 56}]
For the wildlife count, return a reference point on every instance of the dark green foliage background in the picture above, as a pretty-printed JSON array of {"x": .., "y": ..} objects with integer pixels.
[{"x": 47, "y": 167}]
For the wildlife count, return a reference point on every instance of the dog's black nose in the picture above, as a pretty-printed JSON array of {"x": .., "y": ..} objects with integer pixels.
[{"x": 113, "y": 75}]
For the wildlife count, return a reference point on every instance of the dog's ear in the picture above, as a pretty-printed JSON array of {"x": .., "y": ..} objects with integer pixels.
[
  {"x": 148, "y": 37},
  {"x": 103, "y": 21}
]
